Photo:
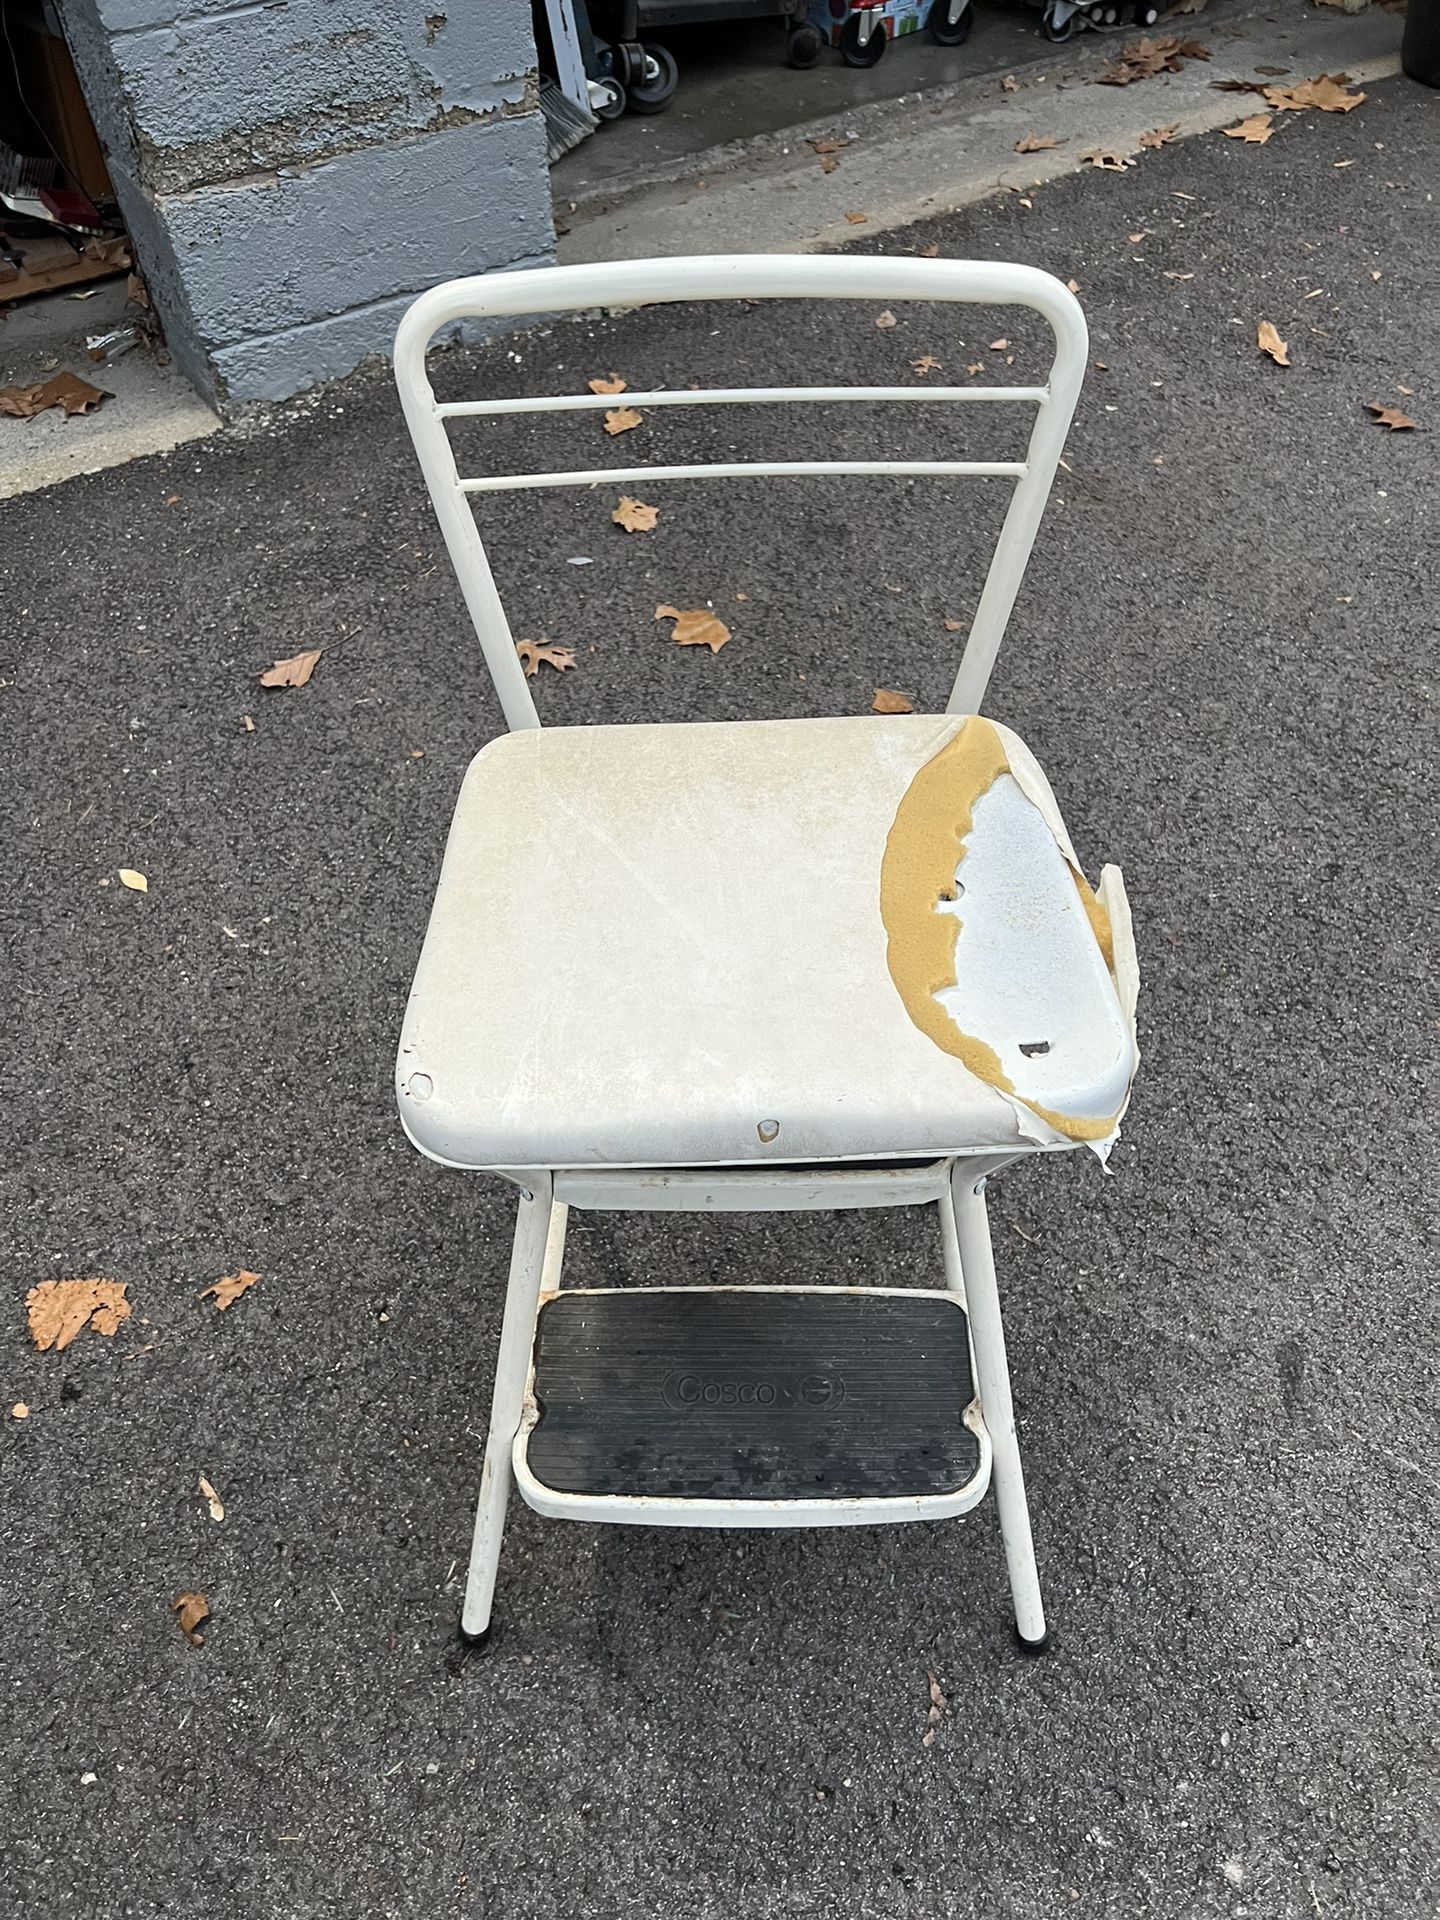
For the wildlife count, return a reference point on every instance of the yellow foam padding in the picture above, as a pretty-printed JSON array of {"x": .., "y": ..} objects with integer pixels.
[{"x": 923, "y": 849}]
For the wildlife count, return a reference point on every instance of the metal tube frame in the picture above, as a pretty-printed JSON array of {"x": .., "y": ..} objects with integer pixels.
[
  {"x": 631, "y": 283},
  {"x": 956, "y": 1188}
]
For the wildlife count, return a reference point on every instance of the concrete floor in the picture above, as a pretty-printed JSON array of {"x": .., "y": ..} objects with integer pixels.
[
  {"x": 735, "y": 86},
  {"x": 925, "y": 153},
  {"x": 152, "y": 406}
]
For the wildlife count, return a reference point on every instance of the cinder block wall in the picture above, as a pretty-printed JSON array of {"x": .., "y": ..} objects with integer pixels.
[{"x": 293, "y": 171}]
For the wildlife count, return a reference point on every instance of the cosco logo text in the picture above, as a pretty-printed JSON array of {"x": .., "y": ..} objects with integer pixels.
[{"x": 693, "y": 1391}]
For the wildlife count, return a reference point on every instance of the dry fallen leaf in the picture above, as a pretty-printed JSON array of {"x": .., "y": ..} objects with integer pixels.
[
  {"x": 611, "y": 383},
  {"x": 621, "y": 419},
  {"x": 829, "y": 146},
  {"x": 1170, "y": 274},
  {"x": 537, "y": 653},
  {"x": 927, "y": 363},
  {"x": 1108, "y": 162},
  {"x": 932, "y": 252},
  {"x": 189, "y": 1610},
  {"x": 975, "y": 366},
  {"x": 1390, "y": 417},
  {"x": 58, "y": 1309},
  {"x": 294, "y": 672},
  {"x": 19, "y": 1411},
  {"x": 1327, "y": 93},
  {"x": 1135, "y": 238},
  {"x": 1269, "y": 341},
  {"x": 1255, "y": 131},
  {"x": 249, "y": 724},
  {"x": 131, "y": 877},
  {"x": 954, "y": 626},
  {"x": 229, "y": 1289},
  {"x": 828, "y": 163},
  {"x": 1037, "y": 143},
  {"x": 887, "y": 701},
  {"x": 696, "y": 628},
  {"x": 1073, "y": 286},
  {"x": 212, "y": 1499},
  {"x": 1159, "y": 136},
  {"x": 999, "y": 346},
  {"x": 885, "y": 320},
  {"x": 857, "y": 219},
  {"x": 64, "y": 390},
  {"x": 1238, "y": 86},
  {"x": 1142, "y": 59},
  {"x": 634, "y": 516},
  {"x": 1009, "y": 83}
]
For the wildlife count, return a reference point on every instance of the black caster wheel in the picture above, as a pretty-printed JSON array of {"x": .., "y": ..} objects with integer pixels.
[
  {"x": 622, "y": 61},
  {"x": 1059, "y": 31},
  {"x": 802, "y": 47},
  {"x": 946, "y": 32},
  {"x": 612, "y": 100},
  {"x": 856, "y": 52},
  {"x": 1032, "y": 1647},
  {"x": 652, "y": 90}
]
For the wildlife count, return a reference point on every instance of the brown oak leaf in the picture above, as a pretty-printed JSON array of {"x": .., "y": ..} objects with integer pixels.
[
  {"x": 227, "y": 1291},
  {"x": 535, "y": 653},
  {"x": 1327, "y": 92},
  {"x": 1269, "y": 341},
  {"x": 696, "y": 628},
  {"x": 622, "y": 419},
  {"x": 189, "y": 1610},
  {"x": 888, "y": 701},
  {"x": 294, "y": 672},
  {"x": 1037, "y": 143},
  {"x": 1390, "y": 417},
  {"x": 609, "y": 383},
  {"x": 927, "y": 363},
  {"x": 634, "y": 516},
  {"x": 1255, "y": 131},
  {"x": 58, "y": 1309},
  {"x": 1159, "y": 137}
]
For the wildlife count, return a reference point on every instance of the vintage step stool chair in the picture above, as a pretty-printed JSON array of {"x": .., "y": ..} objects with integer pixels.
[{"x": 814, "y": 963}]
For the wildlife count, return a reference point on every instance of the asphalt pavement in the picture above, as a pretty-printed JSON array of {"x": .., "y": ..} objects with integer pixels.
[{"x": 1223, "y": 1351}]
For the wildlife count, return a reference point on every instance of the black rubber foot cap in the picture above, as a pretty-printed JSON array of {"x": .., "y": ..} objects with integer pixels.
[
  {"x": 1032, "y": 1646},
  {"x": 478, "y": 1642}
]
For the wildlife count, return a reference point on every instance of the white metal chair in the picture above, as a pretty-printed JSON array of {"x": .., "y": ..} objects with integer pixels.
[{"x": 787, "y": 964}]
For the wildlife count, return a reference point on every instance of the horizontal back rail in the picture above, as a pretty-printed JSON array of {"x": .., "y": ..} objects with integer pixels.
[{"x": 632, "y": 283}]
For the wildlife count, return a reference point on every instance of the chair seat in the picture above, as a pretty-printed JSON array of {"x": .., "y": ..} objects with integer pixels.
[{"x": 741, "y": 943}]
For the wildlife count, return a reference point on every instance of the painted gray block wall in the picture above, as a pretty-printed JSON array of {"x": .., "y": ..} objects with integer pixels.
[{"x": 294, "y": 171}]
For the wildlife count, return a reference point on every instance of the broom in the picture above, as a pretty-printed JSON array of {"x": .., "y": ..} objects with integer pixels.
[{"x": 566, "y": 125}]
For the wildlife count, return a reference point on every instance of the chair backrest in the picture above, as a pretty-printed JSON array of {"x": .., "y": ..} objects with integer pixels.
[{"x": 632, "y": 283}]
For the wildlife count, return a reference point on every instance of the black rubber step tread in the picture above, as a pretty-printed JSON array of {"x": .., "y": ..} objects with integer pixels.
[{"x": 743, "y": 1394}]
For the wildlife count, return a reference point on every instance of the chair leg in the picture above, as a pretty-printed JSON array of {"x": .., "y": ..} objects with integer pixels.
[
  {"x": 988, "y": 1336},
  {"x": 950, "y": 1245},
  {"x": 539, "y": 1228}
]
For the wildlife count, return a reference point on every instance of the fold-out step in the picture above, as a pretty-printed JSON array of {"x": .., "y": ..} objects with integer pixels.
[{"x": 686, "y": 1404}]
